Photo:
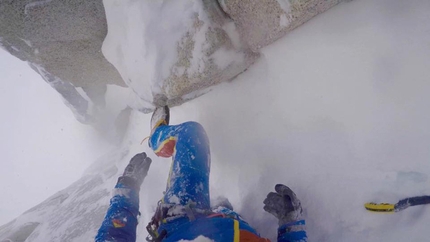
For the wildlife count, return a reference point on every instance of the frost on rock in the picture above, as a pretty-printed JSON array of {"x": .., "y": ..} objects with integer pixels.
[
  {"x": 31, "y": 5},
  {"x": 262, "y": 22},
  {"x": 74, "y": 98},
  {"x": 166, "y": 50}
]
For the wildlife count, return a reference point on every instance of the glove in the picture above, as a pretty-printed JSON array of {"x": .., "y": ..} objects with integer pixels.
[
  {"x": 136, "y": 171},
  {"x": 283, "y": 204}
]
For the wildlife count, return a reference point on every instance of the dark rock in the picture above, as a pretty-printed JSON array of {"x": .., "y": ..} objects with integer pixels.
[{"x": 63, "y": 38}]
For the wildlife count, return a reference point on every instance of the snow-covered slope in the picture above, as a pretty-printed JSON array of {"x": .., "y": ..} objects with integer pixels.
[{"x": 337, "y": 110}]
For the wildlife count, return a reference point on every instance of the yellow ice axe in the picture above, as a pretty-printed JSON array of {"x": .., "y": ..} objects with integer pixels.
[{"x": 399, "y": 206}]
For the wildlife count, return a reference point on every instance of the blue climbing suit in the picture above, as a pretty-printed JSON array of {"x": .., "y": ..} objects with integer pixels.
[
  {"x": 187, "y": 197},
  {"x": 120, "y": 222}
]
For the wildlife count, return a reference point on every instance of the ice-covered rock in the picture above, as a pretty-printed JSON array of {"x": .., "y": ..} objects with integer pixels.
[
  {"x": 186, "y": 46},
  {"x": 182, "y": 47}
]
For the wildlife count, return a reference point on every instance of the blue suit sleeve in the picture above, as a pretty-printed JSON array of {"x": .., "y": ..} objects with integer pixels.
[
  {"x": 120, "y": 221},
  {"x": 292, "y": 232}
]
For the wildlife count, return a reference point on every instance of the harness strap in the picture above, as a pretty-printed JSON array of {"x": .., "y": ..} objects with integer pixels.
[
  {"x": 190, "y": 213},
  {"x": 168, "y": 212}
]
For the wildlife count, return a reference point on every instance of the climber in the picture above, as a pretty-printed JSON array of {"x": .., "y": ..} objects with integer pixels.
[{"x": 184, "y": 212}]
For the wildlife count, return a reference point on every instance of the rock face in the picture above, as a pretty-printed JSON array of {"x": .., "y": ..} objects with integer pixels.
[
  {"x": 184, "y": 46},
  {"x": 220, "y": 38},
  {"x": 261, "y": 22},
  {"x": 63, "y": 38}
]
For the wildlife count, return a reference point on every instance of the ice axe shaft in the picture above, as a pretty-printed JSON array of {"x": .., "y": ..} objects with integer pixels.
[{"x": 399, "y": 206}]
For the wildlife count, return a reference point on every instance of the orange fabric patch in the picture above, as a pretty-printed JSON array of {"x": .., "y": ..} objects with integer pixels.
[
  {"x": 118, "y": 223},
  {"x": 246, "y": 236},
  {"x": 167, "y": 149}
]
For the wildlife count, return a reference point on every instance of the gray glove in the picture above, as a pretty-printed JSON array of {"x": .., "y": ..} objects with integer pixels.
[
  {"x": 283, "y": 204},
  {"x": 136, "y": 171}
]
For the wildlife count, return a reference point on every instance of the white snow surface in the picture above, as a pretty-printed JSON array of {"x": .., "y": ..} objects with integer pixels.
[
  {"x": 337, "y": 110},
  {"x": 143, "y": 38},
  {"x": 44, "y": 148}
]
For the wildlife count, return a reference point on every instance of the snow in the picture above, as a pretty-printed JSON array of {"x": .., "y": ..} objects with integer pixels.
[
  {"x": 337, "y": 110},
  {"x": 164, "y": 50},
  {"x": 173, "y": 199},
  {"x": 224, "y": 57},
  {"x": 44, "y": 149},
  {"x": 340, "y": 121},
  {"x": 198, "y": 239},
  {"x": 201, "y": 44},
  {"x": 28, "y": 42},
  {"x": 35, "y": 4},
  {"x": 285, "y": 5},
  {"x": 283, "y": 21},
  {"x": 153, "y": 29},
  {"x": 84, "y": 96},
  {"x": 233, "y": 34}
]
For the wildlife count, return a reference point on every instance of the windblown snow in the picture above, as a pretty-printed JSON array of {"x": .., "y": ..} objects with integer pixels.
[
  {"x": 337, "y": 110},
  {"x": 153, "y": 28}
]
